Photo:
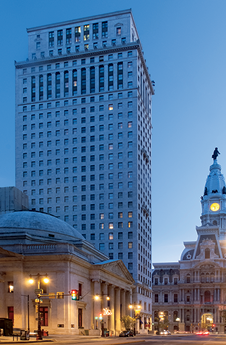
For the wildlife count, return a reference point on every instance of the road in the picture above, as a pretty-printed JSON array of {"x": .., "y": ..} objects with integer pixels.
[{"x": 152, "y": 340}]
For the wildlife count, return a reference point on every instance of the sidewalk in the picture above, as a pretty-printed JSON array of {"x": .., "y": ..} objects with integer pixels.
[{"x": 9, "y": 340}]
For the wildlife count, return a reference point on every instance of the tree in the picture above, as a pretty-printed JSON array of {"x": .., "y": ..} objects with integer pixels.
[{"x": 128, "y": 321}]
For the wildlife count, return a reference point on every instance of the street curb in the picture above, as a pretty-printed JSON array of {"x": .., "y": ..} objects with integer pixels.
[{"x": 27, "y": 342}]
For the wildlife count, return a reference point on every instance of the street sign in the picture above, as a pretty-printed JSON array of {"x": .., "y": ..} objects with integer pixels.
[
  {"x": 60, "y": 295},
  {"x": 52, "y": 295},
  {"x": 38, "y": 291}
]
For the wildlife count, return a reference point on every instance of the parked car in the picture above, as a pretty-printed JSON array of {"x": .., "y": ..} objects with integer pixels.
[{"x": 126, "y": 334}]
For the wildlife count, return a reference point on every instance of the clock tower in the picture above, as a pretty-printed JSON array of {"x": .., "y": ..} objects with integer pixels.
[{"x": 214, "y": 199}]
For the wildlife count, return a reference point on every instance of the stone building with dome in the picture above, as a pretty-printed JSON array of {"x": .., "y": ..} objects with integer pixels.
[
  {"x": 190, "y": 294},
  {"x": 36, "y": 245}
]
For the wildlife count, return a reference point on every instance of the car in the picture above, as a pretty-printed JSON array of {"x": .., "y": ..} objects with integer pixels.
[
  {"x": 165, "y": 332},
  {"x": 124, "y": 334},
  {"x": 130, "y": 333},
  {"x": 202, "y": 333}
]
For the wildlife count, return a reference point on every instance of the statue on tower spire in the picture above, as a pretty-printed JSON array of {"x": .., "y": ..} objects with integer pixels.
[{"x": 215, "y": 153}]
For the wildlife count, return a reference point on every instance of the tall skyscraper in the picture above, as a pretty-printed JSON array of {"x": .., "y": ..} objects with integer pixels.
[{"x": 83, "y": 135}]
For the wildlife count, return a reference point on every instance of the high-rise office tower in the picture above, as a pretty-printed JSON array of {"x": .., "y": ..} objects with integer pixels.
[{"x": 83, "y": 135}]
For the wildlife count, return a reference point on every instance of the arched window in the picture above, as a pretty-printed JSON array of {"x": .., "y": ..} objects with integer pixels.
[
  {"x": 207, "y": 296},
  {"x": 188, "y": 280},
  {"x": 207, "y": 253}
]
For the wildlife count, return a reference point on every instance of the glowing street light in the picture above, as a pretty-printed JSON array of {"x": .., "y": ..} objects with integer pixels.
[{"x": 38, "y": 293}]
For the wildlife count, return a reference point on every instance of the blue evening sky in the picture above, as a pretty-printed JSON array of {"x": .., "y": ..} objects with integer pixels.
[{"x": 184, "y": 43}]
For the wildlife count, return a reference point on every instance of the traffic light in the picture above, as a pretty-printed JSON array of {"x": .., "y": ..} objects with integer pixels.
[
  {"x": 213, "y": 325},
  {"x": 36, "y": 308},
  {"x": 74, "y": 295}
]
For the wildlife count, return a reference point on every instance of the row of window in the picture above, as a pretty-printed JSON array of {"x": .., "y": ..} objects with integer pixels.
[
  {"x": 74, "y": 102},
  {"x": 74, "y": 120},
  {"x": 86, "y": 32},
  {"x": 75, "y": 130},
  {"x": 39, "y": 86},
  {"x": 76, "y": 62}
]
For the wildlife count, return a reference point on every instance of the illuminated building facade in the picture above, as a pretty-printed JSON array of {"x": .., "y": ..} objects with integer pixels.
[
  {"x": 192, "y": 292},
  {"x": 83, "y": 136}
]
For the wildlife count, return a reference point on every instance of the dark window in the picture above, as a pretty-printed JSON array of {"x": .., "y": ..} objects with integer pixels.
[
  {"x": 166, "y": 298},
  {"x": 11, "y": 313},
  {"x": 156, "y": 298}
]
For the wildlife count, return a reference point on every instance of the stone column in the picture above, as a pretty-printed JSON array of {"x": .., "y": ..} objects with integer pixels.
[
  {"x": 112, "y": 307},
  {"x": 97, "y": 303},
  {"x": 105, "y": 303},
  {"x": 3, "y": 297},
  {"x": 117, "y": 310},
  {"x": 19, "y": 305},
  {"x": 123, "y": 302},
  {"x": 142, "y": 319}
]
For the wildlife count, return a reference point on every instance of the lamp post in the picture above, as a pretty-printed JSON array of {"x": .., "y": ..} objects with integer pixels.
[
  {"x": 38, "y": 292},
  {"x": 97, "y": 298},
  {"x": 136, "y": 312},
  {"x": 178, "y": 320},
  {"x": 160, "y": 318}
]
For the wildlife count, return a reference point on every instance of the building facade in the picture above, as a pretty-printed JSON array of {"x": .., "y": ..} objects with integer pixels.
[
  {"x": 12, "y": 199},
  {"x": 35, "y": 245},
  {"x": 191, "y": 295},
  {"x": 83, "y": 135}
]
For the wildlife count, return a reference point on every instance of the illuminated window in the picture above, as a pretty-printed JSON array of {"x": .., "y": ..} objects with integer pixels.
[
  {"x": 130, "y": 214},
  {"x": 110, "y": 226},
  {"x": 118, "y": 31},
  {"x": 110, "y": 236},
  {"x": 110, "y": 106},
  {"x": 86, "y": 32},
  {"x": 77, "y": 33},
  {"x": 10, "y": 287}
]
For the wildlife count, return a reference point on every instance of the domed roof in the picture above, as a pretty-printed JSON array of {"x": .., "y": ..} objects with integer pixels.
[
  {"x": 215, "y": 181},
  {"x": 37, "y": 224}
]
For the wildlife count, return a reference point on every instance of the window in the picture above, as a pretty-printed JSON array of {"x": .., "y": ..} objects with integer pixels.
[
  {"x": 10, "y": 287},
  {"x": 118, "y": 31},
  {"x": 130, "y": 266},
  {"x": 11, "y": 313},
  {"x": 130, "y": 245},
  {"x": 101, "y": 246},
  {"x": 165, "y": 298},
  {"x": 156, "y": 298}
]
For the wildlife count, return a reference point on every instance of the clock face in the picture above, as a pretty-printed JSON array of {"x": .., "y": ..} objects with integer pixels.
[{"x": 215, "y": 207}]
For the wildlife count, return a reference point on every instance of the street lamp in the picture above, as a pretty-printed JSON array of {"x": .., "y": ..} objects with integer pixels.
[
  {"x": 136, "y": 312},
  {"x": 97, "y": 298},
  {"x": 178, "y": 320},
  {"x": 38, "y": 292}
]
